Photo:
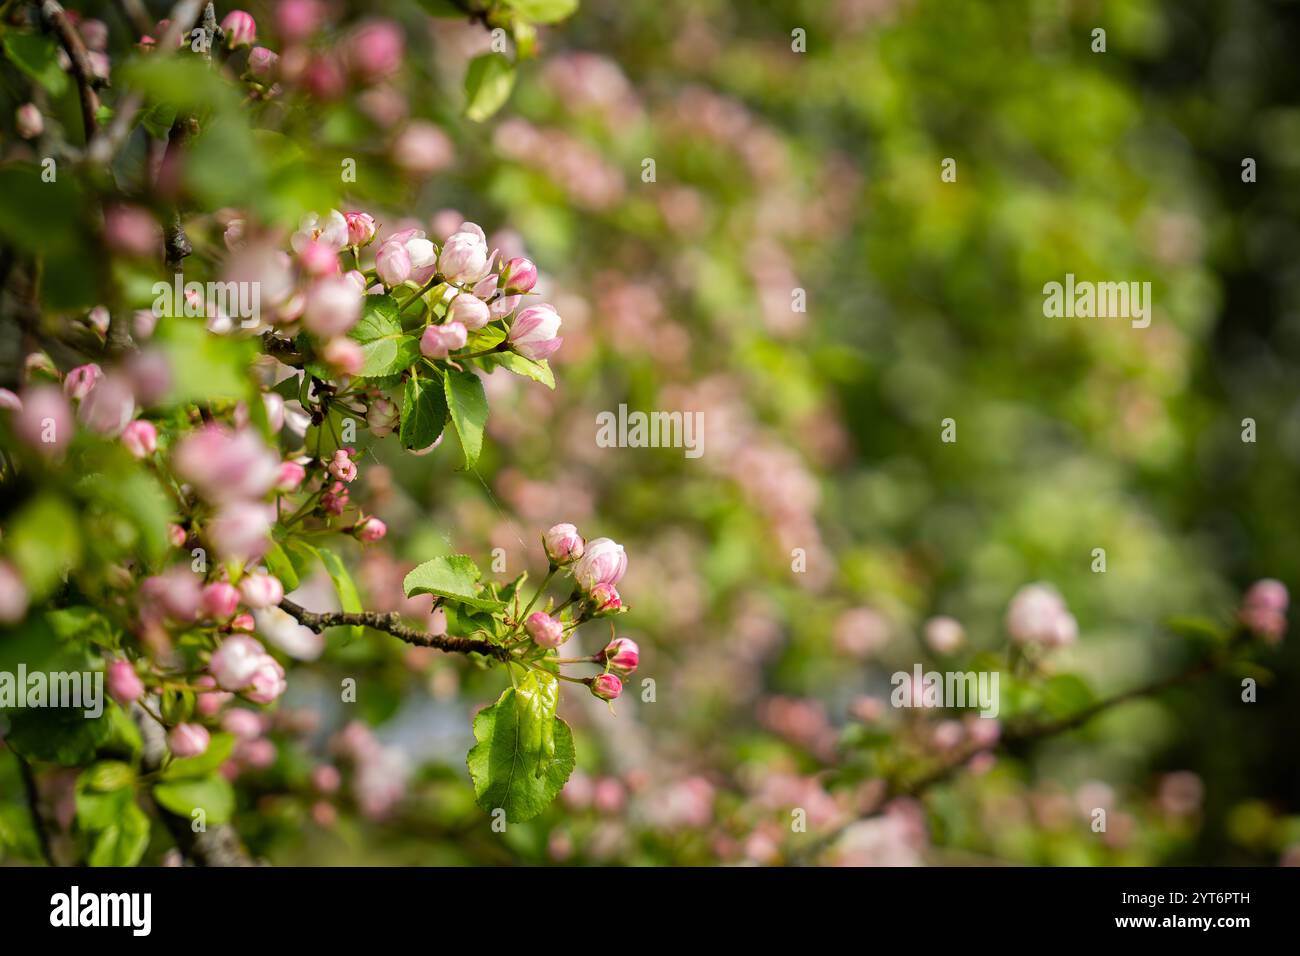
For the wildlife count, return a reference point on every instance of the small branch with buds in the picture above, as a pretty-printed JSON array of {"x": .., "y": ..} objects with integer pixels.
[
  {"x": 55, "y": 19},
  {"x": 391, "y": 623}
]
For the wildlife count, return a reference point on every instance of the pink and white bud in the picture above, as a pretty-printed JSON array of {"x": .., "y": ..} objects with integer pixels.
[
  {"x": 374, "y": 51},
  {"x": 383, "y": 417},
  {"x": 225, "y": 465},
  {"x": 240, "y": 530},
  {"x": 1037, "y": 615},
  {"x": 343, "y": 355},
  {"x": 263, "y": 63},
  {"x": 45, "y": 421},
  {"x": 332, "y": 307},
  {"x": 243, "y": 723},
  {"x": 267, "y": 682},
  {"x": 1263, "y": 609},
  {"x": 439, "y": 341},
  {"x": 606, "y": 686},
  {"x": 29, "y": 120},
  {"x": 131, "y": 231},
  {"x": 361, "y": 228},
  {"x": 240, "y": 29},
  {"x": 220, "y": 600},
  {"x": 520, "y": 275},
  {"x": 140, "y": 438},
  {"x": 563, "y": 544},
  {"x": 109, "y": 406},
  {"x": 545, "y": 630},
  {"x": 470, "y": 311},
  {"x": 261, "y": 590},
  {"x": 464, "y": 256},
  {"x": 290, "y": 476},
  {"x": 603, "y": 561},
  {"x": 81, "y": 380},
  {"x": 621, "y": 656},
  {"x": 13, "y": 594},
  {"x": 188, "y": 740},
  {"x": 393, "y": 264},
  {"x": 369, "y": 530},
  {"x": 944, "y": 635},
  {"x": 177, "y": 592},
  {"x": 605, "y": 599},
  {"x": 298, "y": 19},
  {"x": 124, "y": 684},
  {"x": 318, "y": 259},
  {"x": 422, "y": 149},
  {"x": 234, "y": 663},
  {"x": 243, "y": 624},
  {"x": 342, "y": 466},
  {"x": 533, "y": 334}
]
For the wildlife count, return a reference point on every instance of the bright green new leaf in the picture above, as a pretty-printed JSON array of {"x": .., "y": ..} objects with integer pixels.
[
  {"x": 424, "y": 413},
  {"x": 488, "y": 83},
  {"x": 454, "y": 577},
  {"x": 386, "y": 347},
  {"x": 469, "y": 410},
  {"x": 212, "y": 794}
]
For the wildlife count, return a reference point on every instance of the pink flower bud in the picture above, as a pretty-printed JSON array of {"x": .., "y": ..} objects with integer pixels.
[
  {"x": 243, "y": 723},
  {"x": 361, "y": 228},
  {"x": 188, "y": 740},
  {"x": 140, "y": 438},
  {"x": 606, "y": 686},
  {"x": 263, "y": 63},
  {"x": 1038, "y": 615},
  {"x": 369, "y": 530},
  {"x": 13, "y": 595},
  {"x": 109, "y": 406},
  {"x": 440, "y": 340},
  {"x": 605, "y": 600},
  {"x": 241, "y": 530},
  {"x": 335, "y": 501},
  {"x": 240, "y": 29},
  {"x": 9, "y": 401},
  {"x": 1263, "y": 609},
  {"x": 267, "y": 683},
  {"x": 29, "y": 120},
  {"x": 621, "y": 656},
  {"x": 176, "y": 536},
  {"x": 220, "y": 600},
  {"x": 520, "y": 275},
  {"x": 131, "y": 230},
  {"x": 45, "y": 421},
  {"x": 81, "y": 380},
  {"x": 375, "y": 50},
  {"x": 332, "y": 306},
  {"x": 243, "y": 624},
  {"x": 234, "y": 663},
  {"x": 344, "y": 355},
  {"x": 603, "y": 562},
  {"x": 533, "y": 332},
  {"x": 563, "y": 544},
  {"x": 226, "y": 465},
  {"x": 177, "y": 592},
  {"x": 261, "y": 590},
  {"x": 393, "y": 264},
  {"x": 290, "y": 476},
  {"x": 421, "y": 149},
  {"x": 342, "y": 466},
  {"x": 545, "y": 630},
  {"x": 318, "y": 259},
  {"x": 944, "y": 635},
  {"x": 124, "y": 685},
  {"x": 298, "y": 19},
  {"x": 383, "y": 417},
  {"x": 470, "y": 311},
  {"x": 464, "y": 256},
  {"x": 326, "y": 778}
]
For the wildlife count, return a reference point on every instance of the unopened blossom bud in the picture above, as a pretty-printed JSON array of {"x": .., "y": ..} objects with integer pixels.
[
  {"x": 605, "y": 599},
  {"x": 29, "y": 120},
  {"x": 326, "y": 778},
  {"x": 335, "y": 501},
  {"x": 439, "y": 341},
  {"x": 318, "y": 259},
  {"x": 261, "y": 590},
  {"x": 342, "y": 466},
  {"x": 621, "y": 656},
  {"x": 109, "y": 406},
  {"x": 140, "y": 438},
  {"x": 13, "y": 594},
  {"x": 422, "y": 149},
  {"x": 177, "y": 591},
  {"x": 220, "y": 600},
  {"x": 243, "y": 723},
  {"x": 393, "y": 264},
  {"x": 235, "y": 661},
  {"x": 188, "y": 740},
  {"x": 545, "y": 630},
  {"x": 1263, "y": 609},
  {"x": 369, "y": 530},
  {"x": 383, "y": 417},
  {"x": 267, "y": 682},
  {"x": 332, "y": 306},
  {"x": 263, "y": 63},
  {"x": 603, "y": 561},
  {"x": 563, "y": 544},
  {"x": 243, "y": 624},
  {"x": 464, "y": 256},
  {"x": 606, "y": 686},
  {"x": 240, "y": 29},
  {"x": 361, "y": 228},
  {"x": 45, "y": 420},
  {"x": 176, "y": 536},
  {"x": 298, "y": 19},
  {"x": 1038, "y": 615},
  {"x": 519, "y": 275},
  {"x": 38, "y": 366},
  {"x": 240, "y": 530},
  {"x": 124, "y": 684},
  {"x": 375, "y": 50},
  {"x": 131, "y": 230},
  {"x": 81, "y": 380},
  {"x": 533, "y": 334},
  {"x": 470, "y": 311},
  {"x": 290, "y": 476},
  {"x": 344, "y": 355},
  {"x": 9, "y": 401},
  {"x": 944, "y": 635}
]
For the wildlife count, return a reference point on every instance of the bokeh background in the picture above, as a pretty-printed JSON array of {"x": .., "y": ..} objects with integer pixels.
[{"x": 778, "y": 170}]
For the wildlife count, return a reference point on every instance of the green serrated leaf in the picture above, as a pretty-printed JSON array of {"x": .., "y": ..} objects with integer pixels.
[
  {"x": 211, "y": 794},
  {"x": 219, "y": 748},
  {"x": 539, "y": 371},
  {"x": 38, "y": 57},
  {"x": 467, "y": 404},
  {"x": 424, "y": 413},
  {"x": 524, "y": 752},
  {"x": 543, "y": 11},
  {"x": 349, "y": 598},
  {"x": 488, "y": 83},
  {"x": 63, "y": 735},
  {"x": 387, "y": 348},
  {"x": 454, "y": 577},
  {"x": 122, "y": 842}
]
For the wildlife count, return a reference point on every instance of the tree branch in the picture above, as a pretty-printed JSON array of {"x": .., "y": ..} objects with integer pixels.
[
  {"x": 55, "y": 19},
  {"x": 33, "y": 798},
  {"x": 391, "y": 623}
]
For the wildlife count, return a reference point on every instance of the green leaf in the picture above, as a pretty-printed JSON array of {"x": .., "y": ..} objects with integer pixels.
[
  {"x": 62, "y": 735},
  {"x": 524, "y": 752},
  {"x": 424, "y": 413},
  {"x": 37, "y": 56},
  {"x": 487, "y": 85},
  {"x": 543, "y": 11},
  {"x": 205, "y": 367},
  {"x": 349, "y": 599},
  {"x": 386, "y": 347},
  {"x": 278, "y": 563},
  {"x": 1065, "y": 695},
  {"x": 539, "y": 371},
  {"x": 469, "y": 410},
  {"x": 45, "y": 543},
  {"x": 219, "y": 749},
  {"x": 454, "y": 577},
  {"x": 122, "y": 842},
  {"x": 211, "y": 794}
]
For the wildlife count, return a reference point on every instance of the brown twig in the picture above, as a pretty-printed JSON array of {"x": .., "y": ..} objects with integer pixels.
[
  {"x": 391, "y": 623},
  {"x": 55, "y": 19}
]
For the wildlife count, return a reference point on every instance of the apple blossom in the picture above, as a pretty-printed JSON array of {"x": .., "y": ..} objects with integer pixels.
[
  {"x": 606, "y": 686},
  {"x": 469, "y": 311},
  {"x": 342, "y": 467},
  {"x": 383, "y": 417},
  {"x": 533, "y": 332},
  {"x": 123, "y": 683},
  {"x": 464, "y": 256},
  {"x": 240, "y": 29},
  {"x": 369, "y": 530},
  {"x": 220, "y": 599},
  {"x": 621, "y": 656},
  {"x": 289, "y": 476},
  {"x": 45, "y": 420},
  {"x": 80, "y": 380},
  {"x": 545, "y": 630},
  {"x": 343, "y": 355},
  {"x": 563, "y": 544},
  {"x": 263, "y": 63},
  {"x": 29, "y": 121},
  {"x": 440, "y": 340},
  {"x": 519, "y": 275},
  {"x": 261, "y": 590},
  {"x": 604, "y": 599},
  {"x": 603, "y": 561},
  {"x": 332, "y": 306},
  {"x": 140, "y": 438},
  {"x": 393, "y": 263},
  {"x": 188, "y": 740},
  {"x": 361, "y": 228}
]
